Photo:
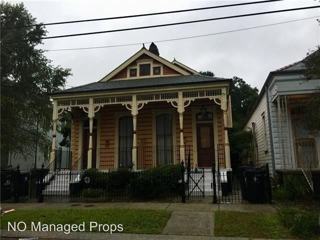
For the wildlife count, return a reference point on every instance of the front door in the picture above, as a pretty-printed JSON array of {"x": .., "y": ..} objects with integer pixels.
[{"x": 205, "y": 146}]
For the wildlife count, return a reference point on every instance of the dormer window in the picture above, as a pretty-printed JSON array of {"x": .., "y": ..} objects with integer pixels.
[
  {"x": 157, "y": 70},
  {"x": 144, "y": 69},
  {"x": 132, "y": 72}
]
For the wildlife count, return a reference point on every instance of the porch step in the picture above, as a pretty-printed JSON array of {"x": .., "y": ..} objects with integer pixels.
[{"x": 59, "y": 185}]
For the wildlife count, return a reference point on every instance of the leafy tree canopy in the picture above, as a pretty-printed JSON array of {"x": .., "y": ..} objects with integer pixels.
[
  {"x": 312, "y": 62},
  {"x": 27, "y": 80},
  {"x": 207, "y": 73}
]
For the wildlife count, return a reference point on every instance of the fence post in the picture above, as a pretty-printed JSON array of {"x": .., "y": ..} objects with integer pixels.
[
  {"x": 188, "y": 173},
  {"x": 16, "y": 184},
  {"x": 40, "y": 184},
  {"x": 183, "y": 185}
]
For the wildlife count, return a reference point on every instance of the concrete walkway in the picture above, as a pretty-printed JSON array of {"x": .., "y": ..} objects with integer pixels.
[
  {"x": 190, "y": 223},
  {"x": 197, "y": 207}
]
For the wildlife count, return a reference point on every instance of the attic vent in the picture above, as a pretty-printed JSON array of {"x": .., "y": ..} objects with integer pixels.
[{"x": 154, "y": 49}]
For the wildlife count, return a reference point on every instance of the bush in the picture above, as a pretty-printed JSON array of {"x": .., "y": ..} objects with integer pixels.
[
  {"x": 92, "y": 193},
  {"x": 155, "y": 183},
  {"x": 159, "y": 182},
  {"x": 303, "y": 224},
  {"x": 293, "y": 188}
]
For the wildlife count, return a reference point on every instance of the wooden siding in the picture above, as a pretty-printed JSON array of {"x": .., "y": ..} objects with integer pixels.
[
  {"x": 166, "y": 70},
  {"x": 263, "y": 144}
]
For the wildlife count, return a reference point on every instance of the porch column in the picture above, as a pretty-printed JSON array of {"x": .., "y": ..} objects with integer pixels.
[
  {"x": 134, "y": 113},
  {"x": 91, "y": 116},
  {"x": 54, "y": 134},
  {"x": 224, "y": 107},
  {"x": 181, "y": 111}
]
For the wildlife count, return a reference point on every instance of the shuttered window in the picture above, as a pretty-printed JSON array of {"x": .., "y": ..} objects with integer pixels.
[
  {"x": 125, "y": 142},
  {"x": 164, "y": 139}
]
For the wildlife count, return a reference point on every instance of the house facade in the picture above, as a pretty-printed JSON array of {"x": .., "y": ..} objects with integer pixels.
[
  {"x": 147, "y": 112},
  {"x": 281, "y": 136}
]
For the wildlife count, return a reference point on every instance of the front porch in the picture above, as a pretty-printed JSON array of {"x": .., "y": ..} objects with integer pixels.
[
  {"x": 141, "y": 130},
  {"x": 299, "y": 146}
]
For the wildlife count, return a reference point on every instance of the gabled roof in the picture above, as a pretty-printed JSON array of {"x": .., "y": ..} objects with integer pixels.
[
  {"x": 297, "y": 66},
  {"x": 142, "y": 51},
  {"x": 192, "y": 71},
  {"x": 143, "y": 83}
]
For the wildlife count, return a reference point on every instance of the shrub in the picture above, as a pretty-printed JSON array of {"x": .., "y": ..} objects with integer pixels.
[
  {"x": 92, "y": 193},
  {"x": 303, "y": 224},
  {"x": 293, "y": 188},
  {"x": 155, "y": 183},
  {"x": 159, "y": 182}
]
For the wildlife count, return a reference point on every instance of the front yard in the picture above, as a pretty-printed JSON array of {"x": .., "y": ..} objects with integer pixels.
[
  {"x": 133, "y": 220},
  {"x": 249, "y": 224}
]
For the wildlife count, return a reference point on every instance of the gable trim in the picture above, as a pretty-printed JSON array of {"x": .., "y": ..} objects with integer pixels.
[
  {"x": 137, "y": 55},
  {"x": 185, "y": 67}
]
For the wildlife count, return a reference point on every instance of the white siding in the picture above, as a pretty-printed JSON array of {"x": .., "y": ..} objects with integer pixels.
[{"x": 263, "y": 143}]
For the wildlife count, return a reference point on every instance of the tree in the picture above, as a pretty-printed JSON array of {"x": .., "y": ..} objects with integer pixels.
[
  {"x": 207, "y": 73},
  {"x": 27, "y": 80},
  {"x": 243, "y": 98},
  {"x": 312, "y": 62}
]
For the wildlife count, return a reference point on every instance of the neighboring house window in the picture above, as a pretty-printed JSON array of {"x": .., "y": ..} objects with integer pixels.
[
  {"x": 144, "y": 69},
  {"x": 164, "y": 139},
  {"x": 264, "y": 132},
  {"x": 125, "y": 142},
  {"x": 132, "y": 72},
  {"x": 254, "y": 142},
  {"x": 157, "y": 70}
]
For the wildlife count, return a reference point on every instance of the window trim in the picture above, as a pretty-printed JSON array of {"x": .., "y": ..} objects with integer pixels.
[
  {"x": 161, "y": 69},
  {"x": 137, "y": 66},
  {"x": 129, "y": 69},
  {"x": 150, "y": 70}
]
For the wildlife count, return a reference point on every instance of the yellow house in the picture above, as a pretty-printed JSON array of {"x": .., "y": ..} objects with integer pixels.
[{"x": 147, "y": 112}]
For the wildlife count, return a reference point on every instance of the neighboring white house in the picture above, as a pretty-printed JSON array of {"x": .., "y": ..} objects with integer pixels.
[{"x": 277, "y": 122}]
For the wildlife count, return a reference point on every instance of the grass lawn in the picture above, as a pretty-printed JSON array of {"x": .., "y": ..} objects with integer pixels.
[
  {"x": 133, "y": 220},
  {"x": 251, "y": 225}
]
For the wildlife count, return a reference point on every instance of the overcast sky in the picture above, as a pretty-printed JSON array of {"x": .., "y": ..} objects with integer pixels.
[{"x": 250, "y": 54}]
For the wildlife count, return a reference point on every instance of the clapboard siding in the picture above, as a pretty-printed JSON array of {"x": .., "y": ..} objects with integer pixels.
[{"x": 263, "y": 143}]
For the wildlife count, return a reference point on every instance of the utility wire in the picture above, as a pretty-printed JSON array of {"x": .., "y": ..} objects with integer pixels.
[
  {"x": 181, "y": 23},
  {"x": 157, "y": 13},
  {"x": 181, "y": 38}
]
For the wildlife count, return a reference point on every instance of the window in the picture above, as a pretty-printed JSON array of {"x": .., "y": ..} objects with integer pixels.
[
  {"x": 164, "y": 139},
  {"x": 254, "y": 142},
  {"x": 144, "y": 69},
  {"x": 125, "y": 142},
  {"x": 157, "y": 70},
  {"x": 132, "y": 72},
  {"x": 264, "y": 132}
]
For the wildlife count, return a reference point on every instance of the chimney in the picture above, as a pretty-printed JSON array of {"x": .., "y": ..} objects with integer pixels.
[{"x": 154, "y": 49}]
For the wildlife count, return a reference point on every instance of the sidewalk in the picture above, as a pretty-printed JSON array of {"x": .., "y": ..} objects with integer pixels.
[
  {"x": 115, "y": 236},
  {"x": 198, "y": 207}
]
